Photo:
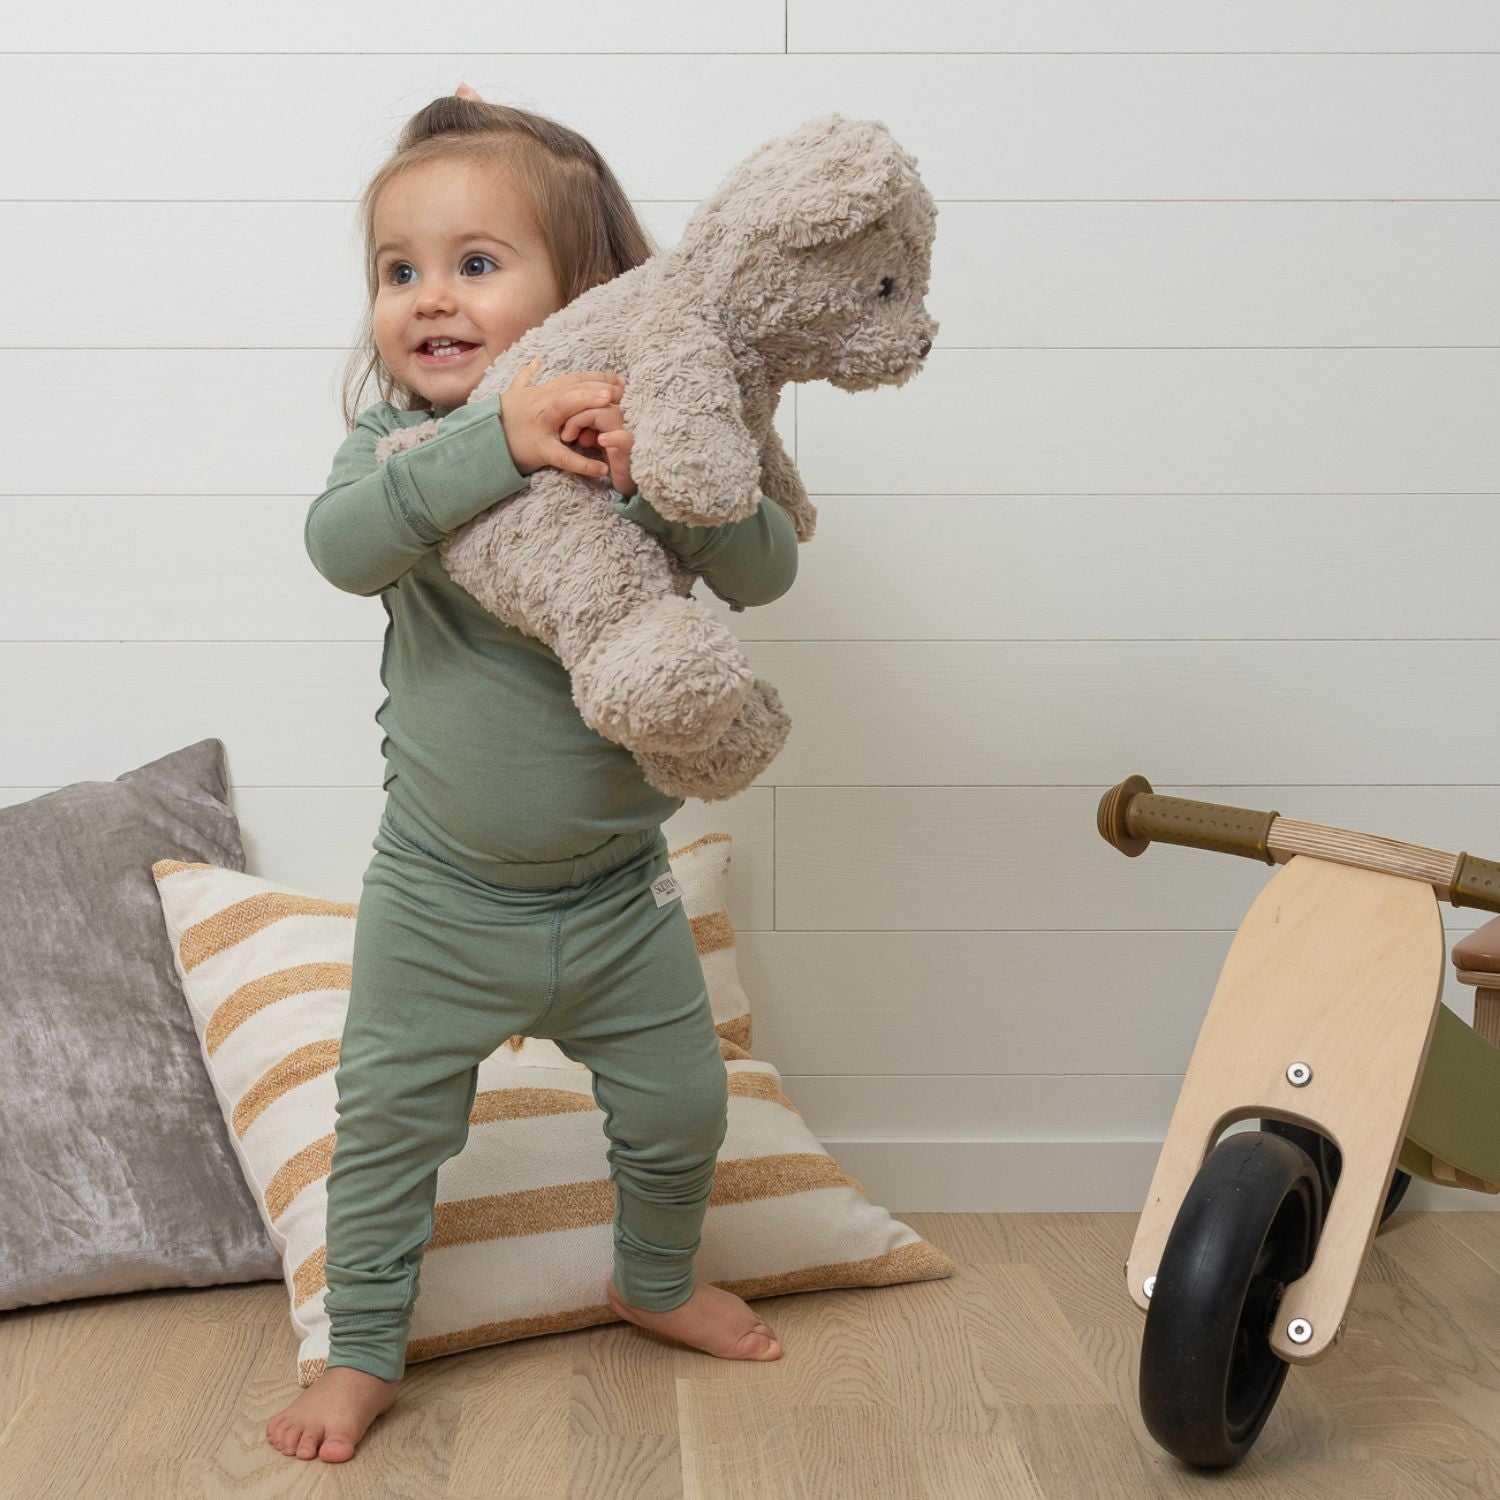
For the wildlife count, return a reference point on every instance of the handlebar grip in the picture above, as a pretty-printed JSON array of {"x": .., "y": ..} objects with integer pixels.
[
  {"x": 1476, "y": 882},
  {"x": 1131, "y": 815}
]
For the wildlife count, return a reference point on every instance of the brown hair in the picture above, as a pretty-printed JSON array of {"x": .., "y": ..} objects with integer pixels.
[{"x": 585, "y": 221}]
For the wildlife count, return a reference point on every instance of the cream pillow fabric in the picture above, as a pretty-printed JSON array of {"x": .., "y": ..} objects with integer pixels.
[{"x": 522, "y": 1234}]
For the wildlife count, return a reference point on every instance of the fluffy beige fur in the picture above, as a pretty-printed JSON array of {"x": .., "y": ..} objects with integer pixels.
[{"x": 809, "y": 262}]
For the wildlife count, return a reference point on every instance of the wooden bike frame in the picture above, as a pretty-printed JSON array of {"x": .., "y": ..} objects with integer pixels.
[{"x": 1322, "y": 1016}]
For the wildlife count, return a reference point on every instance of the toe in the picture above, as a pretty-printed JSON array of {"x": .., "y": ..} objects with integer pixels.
[
  {"x": 772, "y": 1348},
  {"x": 337, "y": 1447},
  {"x": 756, "y": 1345},
  {"x": 312, "y": 1435}
]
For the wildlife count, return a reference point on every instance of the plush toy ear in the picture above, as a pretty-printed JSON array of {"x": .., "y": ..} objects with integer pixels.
[{"x": 827, "y": 180}]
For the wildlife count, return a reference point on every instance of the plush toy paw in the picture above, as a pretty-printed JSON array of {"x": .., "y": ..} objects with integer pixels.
[
  {"x": 668, "y": 677},
  {"x": 729, "y": 765}
]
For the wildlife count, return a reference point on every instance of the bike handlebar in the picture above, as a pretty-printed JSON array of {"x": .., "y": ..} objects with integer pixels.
[{"x": 1131, "y": 816}]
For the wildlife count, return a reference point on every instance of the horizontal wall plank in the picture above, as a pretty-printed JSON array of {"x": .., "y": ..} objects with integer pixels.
[
  {"x": 981, "y": 1103},
  {"x": 1012, "y": 1177},
  {"x": 1015, "y": 275},
  {"x": 881, "y": 567},
  {"x": 1168, "y": 274},
  {"x": 979, "y": 1106},
  {"x": 178, "y": 258},
  {"x": 971, "y": 718},
  {"x": 900, "y": 1004},
  {"x": 1148, "y": 126},
  {"x": 241, "y": 422},
  {"x": 371, "y": 26},
  {"x": 1154, "y": 421},
  {"x": 1124, "y": 567},
  {"x": 1143, "y": 421},
  {"x": 971, "y": 858},
  {"x": 1144, "y": 26}
]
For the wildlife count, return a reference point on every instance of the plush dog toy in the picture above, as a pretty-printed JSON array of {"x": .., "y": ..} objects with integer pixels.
[{"x": 809, "y": 262}]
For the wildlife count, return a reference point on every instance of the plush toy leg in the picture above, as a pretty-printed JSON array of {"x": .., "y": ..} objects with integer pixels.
[
  {"x": 669, "y": 678},
  {"x": 745, "y": 749}
]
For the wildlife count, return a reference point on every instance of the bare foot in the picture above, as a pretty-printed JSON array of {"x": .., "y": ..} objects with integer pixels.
[
  {"x": 331, "y": 1415},
  {"x": 711, "y": 1319}
]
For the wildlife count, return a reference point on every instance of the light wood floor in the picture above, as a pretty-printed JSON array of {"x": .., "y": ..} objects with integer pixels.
[{"x": 1014, "y": 1377}]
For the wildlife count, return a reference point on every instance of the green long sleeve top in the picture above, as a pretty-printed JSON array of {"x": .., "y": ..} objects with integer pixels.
[{"x": 488, "y": 760}]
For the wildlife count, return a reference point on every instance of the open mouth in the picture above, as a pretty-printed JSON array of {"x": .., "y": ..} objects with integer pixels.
[{"x": 446, "y": 354}]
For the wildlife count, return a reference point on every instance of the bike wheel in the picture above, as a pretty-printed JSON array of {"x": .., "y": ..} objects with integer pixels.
[
  {"x": 1329, "y": 1159},
  {"x": 1248, "y": 1226}
]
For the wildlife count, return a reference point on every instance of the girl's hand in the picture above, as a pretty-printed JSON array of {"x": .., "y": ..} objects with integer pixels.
[
  {"x": 533, "y": 417},
  {"x": 605, "y": 430}
]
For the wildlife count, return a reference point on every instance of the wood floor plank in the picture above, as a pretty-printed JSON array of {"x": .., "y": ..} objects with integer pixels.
[
  {"x": 89, "y": 1388},
  {"x": 963, "y": 1464},
  {"x": 1418, "y": 1330},
  {"x": 644, "y": 1468},
  {"x": 957, "y": 1349},
  {"x": 32, "y": 1340},
  {"x": 542, "y": 1403},
  {"x": 1389, "y": 1407},
  {"x": 1438, "y": 1478},
  {"x": 1062, "y": 1442},
  {"x": 870, "y": 1454},
  {"x": 740, "y": 1441},
  {"x": 179, "y": 1412},
  {"x": 1480, "y": 1232},
  {"x": 1434, "y": 1256},
  {"x": 1081, "y": 1258},
  {"x": 619, "y": 1384},
  {"x": 968, "y": 1237}
]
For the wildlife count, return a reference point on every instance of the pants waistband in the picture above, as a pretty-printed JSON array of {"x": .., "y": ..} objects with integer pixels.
[{"x": 544, "y": 875}]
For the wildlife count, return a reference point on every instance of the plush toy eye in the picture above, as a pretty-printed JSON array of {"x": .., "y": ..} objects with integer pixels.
[{"x": 886, "y": 286}]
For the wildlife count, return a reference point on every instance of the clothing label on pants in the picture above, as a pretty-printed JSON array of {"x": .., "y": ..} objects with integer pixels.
[{"x": 665, "y": 889}]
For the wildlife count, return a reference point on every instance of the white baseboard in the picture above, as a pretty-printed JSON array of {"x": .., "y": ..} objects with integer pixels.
[{"x": 997, "y": 1177}]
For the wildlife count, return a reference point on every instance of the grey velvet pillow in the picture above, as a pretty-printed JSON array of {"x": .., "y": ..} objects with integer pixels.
[{"x": 116, "y": 1172}]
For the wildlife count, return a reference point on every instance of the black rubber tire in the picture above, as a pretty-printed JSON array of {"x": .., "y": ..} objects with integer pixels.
[
  {"x": 1248, "y": 1226},
  {"x": 1330, "y": 1159}
]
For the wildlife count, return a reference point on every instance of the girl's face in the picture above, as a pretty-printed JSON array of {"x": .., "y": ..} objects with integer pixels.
[{"x": 457, "y": 257}]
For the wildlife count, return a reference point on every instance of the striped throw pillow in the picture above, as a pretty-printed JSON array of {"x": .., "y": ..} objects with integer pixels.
[{"x": 522, "y": 1234}]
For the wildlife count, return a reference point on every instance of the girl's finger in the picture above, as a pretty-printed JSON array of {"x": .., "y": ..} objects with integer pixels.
[
  {"x": 604, "y": 418},
  {"x": 566, "y": 458},
  {"x": 584, "y": 399},
  {"x": 524, "y": 374},
  {"x": 591, "y": 381},
  {"x": 578, "y": 421}
]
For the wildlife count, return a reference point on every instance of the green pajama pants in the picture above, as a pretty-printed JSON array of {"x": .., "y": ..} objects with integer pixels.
[{"x": 447, "y": 966}]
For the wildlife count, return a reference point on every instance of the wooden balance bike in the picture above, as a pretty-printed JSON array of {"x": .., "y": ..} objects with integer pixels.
[{"x": 1327, "y": 1027}]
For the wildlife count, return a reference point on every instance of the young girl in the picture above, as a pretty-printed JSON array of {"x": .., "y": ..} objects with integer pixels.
[{"x": 510, "y": 891}]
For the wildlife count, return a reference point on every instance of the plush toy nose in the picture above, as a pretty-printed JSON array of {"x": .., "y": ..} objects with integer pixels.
[{"x": 923, "y": 347}]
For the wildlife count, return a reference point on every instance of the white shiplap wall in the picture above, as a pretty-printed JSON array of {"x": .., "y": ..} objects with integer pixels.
[{"x": 1200, "y": 482}]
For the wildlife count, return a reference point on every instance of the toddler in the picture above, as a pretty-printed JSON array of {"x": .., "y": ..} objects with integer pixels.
[{"x": 510, "y": 889}]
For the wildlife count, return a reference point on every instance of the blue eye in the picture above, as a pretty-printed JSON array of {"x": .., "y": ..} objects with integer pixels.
[{"x": 397, "y": 265}]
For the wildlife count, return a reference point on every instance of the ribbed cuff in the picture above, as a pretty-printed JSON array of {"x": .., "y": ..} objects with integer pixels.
[{"x": 463, "y": 470}]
